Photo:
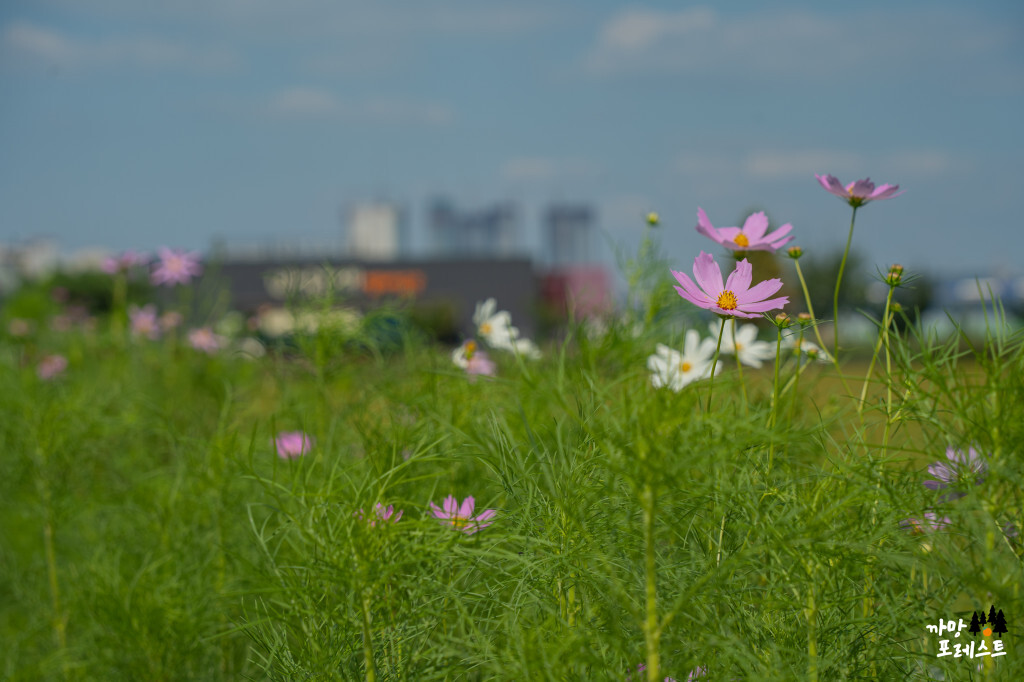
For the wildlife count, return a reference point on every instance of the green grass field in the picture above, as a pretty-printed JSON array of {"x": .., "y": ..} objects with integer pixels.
[{"x": 150, "y": 531}]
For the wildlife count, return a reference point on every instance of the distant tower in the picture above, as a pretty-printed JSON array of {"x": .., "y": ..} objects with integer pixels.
[
  {"x": 568, "y": 234},
  {"x": 491, "y": 231},
  {"x": 375, "y": 231}
]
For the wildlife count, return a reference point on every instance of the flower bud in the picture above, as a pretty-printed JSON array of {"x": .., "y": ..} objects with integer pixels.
[
  {"x": 895, "y": 275},
  {"x": 795, "y": 252},
  {"x": 783, "y": 321},
  {"x": 652, "y": 219},
  {"x": 804, "y": 319},
  {"x": 896, "y": 307}
]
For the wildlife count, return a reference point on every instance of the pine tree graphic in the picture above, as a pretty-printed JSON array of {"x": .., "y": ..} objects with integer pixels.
[
  {"x": 999, "y": 624},
  {"x": 982, "y": 620},
  {"x": 992, "y": 615},
  {"x": 975, "y": 624}
]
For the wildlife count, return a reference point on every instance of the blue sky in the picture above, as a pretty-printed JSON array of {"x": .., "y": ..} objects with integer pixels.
[{"x": 138, "y": 123}]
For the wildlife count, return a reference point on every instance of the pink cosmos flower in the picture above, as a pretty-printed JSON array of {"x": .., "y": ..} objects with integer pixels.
[
  {"x": 857, "y": 193},
  {"x": 751, "y": 237},
  {"x": 928, "y": 523},
  {"x": 480, "y": 364},
  {"x": 170, "y": 320},
  {"x": 382, "y": 513},
  {"x": 126, "y": 261},
  {"x": 461, "y": 517},
  {"x": 962, "y": 467},
  {"x": 292, "y": 444},
  {"x": 735, "y": 298},
  {"x": 143, "y": 321},
  {"x": 51, "y": 366},
  {"x": 19, "y": 327},
  {"x": 205, "y": 340},
  {"x": 176, "y": 267}
]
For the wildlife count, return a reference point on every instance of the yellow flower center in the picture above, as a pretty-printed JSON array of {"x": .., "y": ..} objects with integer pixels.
[
  {"x": 458, "y": 522},
  {"x": 685, "y": 366},
  {"x": 485, "y": 328},
  {"x": 741, "y": 240},
  {"x": 739, "y": 346},
  {"x": 470, "y": 349},
  {"x": 727, "y": 300}
]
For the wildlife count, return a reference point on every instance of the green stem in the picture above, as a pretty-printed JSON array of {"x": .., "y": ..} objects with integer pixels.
[
  {"x": 812, "y": 633},
  {"x": 739, "y": 365},
  {"x": 839, "y": 280},
  {"x": 652, "y": 632},
  {"x": 50, "y": 550},
  {"x": 882, "y": 333},
  {"x": 714, "y": 364},
  {"x": 773, "y": 416},
  {"x": 371, "y": 671},
  {"x": 817, "y": 332}
]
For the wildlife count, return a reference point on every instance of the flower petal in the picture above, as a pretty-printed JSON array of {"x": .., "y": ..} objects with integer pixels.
[
  {"x": 451, "y": 505},
  {"x": 759, "y": 291},
  {"x": 739, "y": 279},
  {"x": 693, "y": 292},
  {"x": 763, "y": 306},
  {"x": 832, "y": 185},
  {"x": 755, "y": 226},
  {"x": 708, "y": 274},
  {"x": 466, "y": 510},
  {"x": 705, "y": 227}
]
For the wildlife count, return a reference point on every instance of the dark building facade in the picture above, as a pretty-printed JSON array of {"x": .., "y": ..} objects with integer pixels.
[{"x": 458, "y": 283}]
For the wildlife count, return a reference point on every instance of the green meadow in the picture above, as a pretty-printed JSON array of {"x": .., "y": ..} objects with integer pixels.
[{"x": 766, "y": 524}]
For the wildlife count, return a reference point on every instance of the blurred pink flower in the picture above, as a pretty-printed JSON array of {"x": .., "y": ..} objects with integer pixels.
[
  {"x": 735, "y": 298},
  {"x": 480, "y": 364},
  {"x": 205, "y": 340},
  {"x": 176, "y": 267},
  {"x": 170, "y": 320},
  {"x": 961, "y": 467},
  {"x": 51, "y": 366},
  {"x": 143, "y": 321},
  {"x": 857, "y": 193},
  {"x": 60, "y": 322},
  {"x": 19, "y": 327},
  {"x": 292, "y": 444},
  {"x": 461, "y": 517},
  {"x": 124, "y": 262},
  {"x": 928, "y": 523},
  {"x": 382, "y": 514},
  {"x": 751, "y": 237}
]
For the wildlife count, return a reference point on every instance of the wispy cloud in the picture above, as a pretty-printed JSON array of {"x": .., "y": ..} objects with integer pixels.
[
  {"x": 25, "y": 42},
  {"x": 849, "y": 46},
  {"x": 547, "y": 169},
  {"x": 319, "y": 103},
  {"x": 787, "y": 164}
]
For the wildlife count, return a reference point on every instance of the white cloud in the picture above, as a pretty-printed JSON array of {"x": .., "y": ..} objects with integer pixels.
[
  {"x": 24, "y": 41},
  {"x": 546, "y": 169},
  {"x": 788, "y": 164},
  {"x": 638, "y": 29},
  {"x": 849, "y": 45},
  {"x": 307, "y": 102},
  {"x": 773, "y": 165}
]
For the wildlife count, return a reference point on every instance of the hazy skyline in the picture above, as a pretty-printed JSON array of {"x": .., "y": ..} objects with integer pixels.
[{"x": 128, "y": 124}]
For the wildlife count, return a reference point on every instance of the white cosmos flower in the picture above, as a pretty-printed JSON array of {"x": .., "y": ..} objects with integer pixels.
[
  {"x": 751, "y": 351},
  {"x": 675, "y": 370},
  {"x": 800, "y": 345},
  {"x": 495, "y": 327}
]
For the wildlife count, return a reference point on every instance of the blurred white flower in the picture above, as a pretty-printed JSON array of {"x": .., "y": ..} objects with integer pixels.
[
  {"x": 797, "y": 344},
  {"x": 751, "y": 351},
  {"x": 674, "y": 370}
]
